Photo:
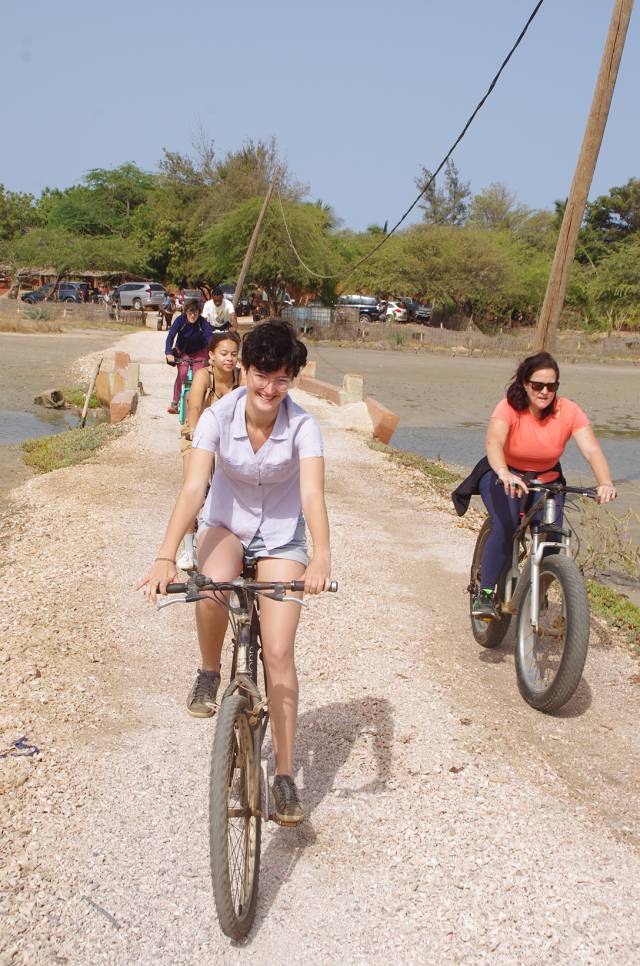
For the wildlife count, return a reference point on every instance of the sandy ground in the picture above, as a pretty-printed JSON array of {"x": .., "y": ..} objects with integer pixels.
[{"x": 447, "y": 821}]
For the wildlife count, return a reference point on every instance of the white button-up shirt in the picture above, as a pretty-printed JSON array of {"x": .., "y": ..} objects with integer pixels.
[{"x": 256, "y": 491}]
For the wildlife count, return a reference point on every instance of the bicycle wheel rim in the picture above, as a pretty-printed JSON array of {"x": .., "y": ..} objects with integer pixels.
[
  {"x": 242, "y": 823},
  {"x": 540, "y": 652}
]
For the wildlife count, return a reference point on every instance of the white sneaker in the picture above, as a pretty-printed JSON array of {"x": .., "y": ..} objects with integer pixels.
[{"x": 187, "y": 559}]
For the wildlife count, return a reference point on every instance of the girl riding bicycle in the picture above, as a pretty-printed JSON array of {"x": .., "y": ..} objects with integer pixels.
[
  {"x": 269, "y": 480},
  {"x": 220, "y": 377},
  {"x": 527, "y": 434},
  {"x": 187, "y": 339}
]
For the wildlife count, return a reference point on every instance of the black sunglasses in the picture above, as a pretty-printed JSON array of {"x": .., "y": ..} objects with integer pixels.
[{"x": 539, "y": 386}]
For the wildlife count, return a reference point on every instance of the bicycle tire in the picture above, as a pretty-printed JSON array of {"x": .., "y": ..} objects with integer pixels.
[
  {"x": 575, "y": 625},
  {"x": 487, "y": 633},
  {"x": 235, "y": 773}
]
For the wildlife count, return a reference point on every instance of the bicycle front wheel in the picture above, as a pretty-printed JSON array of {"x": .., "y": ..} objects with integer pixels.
[
  {"x": 550, "y": 661},
  {"x": 234, "y": 818}
]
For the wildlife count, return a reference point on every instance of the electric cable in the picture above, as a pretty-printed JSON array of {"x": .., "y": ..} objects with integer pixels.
[{"x": 480, "y": 104}]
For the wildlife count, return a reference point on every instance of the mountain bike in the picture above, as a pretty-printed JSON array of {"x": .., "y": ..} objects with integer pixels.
[
  {"x": 239, "y": 780},
  {"x": 543, "y": 586}
]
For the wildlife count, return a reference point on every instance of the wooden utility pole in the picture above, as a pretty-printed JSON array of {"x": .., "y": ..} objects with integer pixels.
[
  {"x": 254, "y": 241},
  {"x": 574, "y": 212}
]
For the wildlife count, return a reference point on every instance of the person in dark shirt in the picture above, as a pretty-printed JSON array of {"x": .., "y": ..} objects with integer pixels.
[{"x": 187, "y": 341}]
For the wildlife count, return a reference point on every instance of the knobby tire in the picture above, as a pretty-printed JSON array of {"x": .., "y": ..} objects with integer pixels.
[
  {"x": 233, "y": 760},
  {"x": 564, "y": 570}
]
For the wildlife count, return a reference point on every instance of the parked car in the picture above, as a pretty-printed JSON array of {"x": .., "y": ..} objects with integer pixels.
[
  {"x": 396, "y": 312},
  {"x": 187, "y": 295},
  {"x": 424, "y": 312},
  {"x": 367, "y": 306},
  {"x": 139, "y": 295},
  {"x": 67, "y": 292}
]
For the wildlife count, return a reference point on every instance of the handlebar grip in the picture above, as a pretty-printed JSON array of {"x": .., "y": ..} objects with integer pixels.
[
  {"x": 176, "y": 588},
  {"x": 299, "y": 585}
]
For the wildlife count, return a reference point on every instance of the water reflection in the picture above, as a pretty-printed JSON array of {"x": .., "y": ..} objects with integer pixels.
[{"x": 15, "y": 427}]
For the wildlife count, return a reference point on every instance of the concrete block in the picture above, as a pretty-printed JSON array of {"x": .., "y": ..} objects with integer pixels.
[
  {"x": 132, "y": 376},
  {"x": 122, "y": 405},
  {"x": 383, "y": 421},
  {"x": 322, "y": 389},
  {"x": 352, "y": 388},
  {"x": 103, "y": 389},
  {"x": 118, "y": 379},
  {"x": 122, "y": 359}
]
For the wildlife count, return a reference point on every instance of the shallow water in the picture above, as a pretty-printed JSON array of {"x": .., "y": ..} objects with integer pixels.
[{"x": 32, "y": 364}]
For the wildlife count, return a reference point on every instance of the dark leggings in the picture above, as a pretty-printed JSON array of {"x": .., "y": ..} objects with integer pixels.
[{"x": 505, "y": 519}]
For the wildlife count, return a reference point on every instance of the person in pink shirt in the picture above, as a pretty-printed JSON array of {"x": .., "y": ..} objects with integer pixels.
[
  {"x": 269, "y": 482},
  {"x": 527, "y": 434}
]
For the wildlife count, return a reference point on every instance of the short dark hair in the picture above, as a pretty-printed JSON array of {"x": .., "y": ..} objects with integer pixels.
[
  {"x": 217, "y": 290},
  {"x": 272, "y": 345},
  {"x": 192, "y": 304},
  {"x": 228, "y": 335},
  {"x": 516, "y": 393}
]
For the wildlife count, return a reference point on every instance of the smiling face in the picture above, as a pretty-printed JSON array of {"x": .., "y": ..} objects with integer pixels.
[
  {"x": 541, "y": 396},
  {"x": 266, "y": 390},
  {"x": 224, "y": 357}
]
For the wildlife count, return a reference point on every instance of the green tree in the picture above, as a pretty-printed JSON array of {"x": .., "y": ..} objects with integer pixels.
[
  {"x": 274, "y": 267},
  {"x": 103, "y": 205},
  {"x": 615, "y": 287},
  {"x": 497, "y": 207},
  {"x": 448, "y": 205},
  {"x": 18, "y": 213}
]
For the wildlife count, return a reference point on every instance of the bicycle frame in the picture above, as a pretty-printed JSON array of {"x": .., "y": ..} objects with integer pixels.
[{"x": 517, "y": 581}]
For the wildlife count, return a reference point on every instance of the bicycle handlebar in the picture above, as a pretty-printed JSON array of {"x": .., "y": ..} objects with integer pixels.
[
  {"x": 588, "y": 491},
  {"x": 203, "y": 583}
]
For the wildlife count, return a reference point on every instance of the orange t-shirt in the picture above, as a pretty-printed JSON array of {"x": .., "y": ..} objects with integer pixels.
[{"x": 537, "y": 444}]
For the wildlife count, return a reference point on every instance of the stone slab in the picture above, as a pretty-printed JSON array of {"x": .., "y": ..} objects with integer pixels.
[
  {"x": 383, "y": 421},
  {"x": 122, "y": 405}
]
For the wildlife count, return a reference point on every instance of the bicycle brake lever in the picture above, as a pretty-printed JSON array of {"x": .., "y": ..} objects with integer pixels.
[
  {"x": 295, "y": 600},
  {"x": 167, "y": 603}
]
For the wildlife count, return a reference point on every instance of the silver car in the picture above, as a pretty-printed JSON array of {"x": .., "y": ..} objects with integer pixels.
[{"x": 139, "y": 295}]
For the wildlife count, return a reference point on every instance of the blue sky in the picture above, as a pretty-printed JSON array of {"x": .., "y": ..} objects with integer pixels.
[{"x": 358, "y": 94}]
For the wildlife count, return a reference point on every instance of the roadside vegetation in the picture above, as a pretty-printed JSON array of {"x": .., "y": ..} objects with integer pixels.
[
  {"x": 440, "y": 477},
  {"x": 49, "y": 453},
  {"x": 481, "y": 258},
  {"x": 616, "y": 610}
]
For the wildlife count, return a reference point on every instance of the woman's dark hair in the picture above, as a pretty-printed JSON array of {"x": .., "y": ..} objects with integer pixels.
[
  {"x": 192, "y": 304},
  {"x": 516, "y": 393},
  {"x": 228, "y": 335},
  {"x": 273, "y": 345}
]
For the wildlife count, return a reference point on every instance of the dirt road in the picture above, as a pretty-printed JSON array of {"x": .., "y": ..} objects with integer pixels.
[{"x": 447, "y": 821}]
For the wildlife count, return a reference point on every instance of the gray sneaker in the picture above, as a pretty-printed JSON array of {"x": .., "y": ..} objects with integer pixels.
[
  {"x": 288, "y": 810},
  {"x": 202, "y": 697}
]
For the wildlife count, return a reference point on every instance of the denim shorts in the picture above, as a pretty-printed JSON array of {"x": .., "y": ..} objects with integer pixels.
[{"x": 296, "y": 549}]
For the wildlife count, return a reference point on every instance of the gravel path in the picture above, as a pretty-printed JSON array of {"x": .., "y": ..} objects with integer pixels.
[{"x": 447, "y": 821}]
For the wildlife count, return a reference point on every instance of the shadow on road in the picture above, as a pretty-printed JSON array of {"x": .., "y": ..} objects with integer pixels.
[{"x": 325, "y": 739}]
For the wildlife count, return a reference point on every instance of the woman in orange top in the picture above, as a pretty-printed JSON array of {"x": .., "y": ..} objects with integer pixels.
[{"x": 527, "y": 435}]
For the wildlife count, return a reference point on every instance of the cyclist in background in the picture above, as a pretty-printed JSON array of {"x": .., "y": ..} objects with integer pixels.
[
  {"x": 527, "y": 434},
  {"x": 188, "y": 337},
  {"x": 220, "y": 377},
  {"x": 219, "y": 311}
]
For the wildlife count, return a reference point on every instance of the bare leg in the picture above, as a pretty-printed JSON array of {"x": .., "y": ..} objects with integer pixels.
[
  {"x": 278, "y": 625},
  {"x": 220, "y": 557},
  {"x": 185, "y": 463}
]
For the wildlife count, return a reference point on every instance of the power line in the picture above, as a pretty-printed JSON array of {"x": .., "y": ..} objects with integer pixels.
[{"x": 455, "y": 144}]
